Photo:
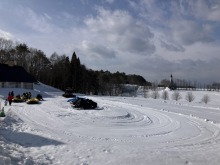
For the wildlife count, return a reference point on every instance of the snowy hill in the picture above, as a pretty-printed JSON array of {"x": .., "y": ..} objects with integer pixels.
[{"x": 125, "y": 130}]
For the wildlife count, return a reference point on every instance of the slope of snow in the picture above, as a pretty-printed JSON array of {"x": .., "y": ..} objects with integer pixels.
[{"x": 123, "y": 130}]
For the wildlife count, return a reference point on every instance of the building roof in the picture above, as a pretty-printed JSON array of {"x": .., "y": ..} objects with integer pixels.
[{"x": 15, "y": 74}]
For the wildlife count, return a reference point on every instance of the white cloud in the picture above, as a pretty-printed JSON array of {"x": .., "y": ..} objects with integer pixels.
[
  {"x": 171, "y": 46},
  {"x": 174, "y": 50},
  {"x": 179, "y": 46},
  {"x": 206, "y": 9},
  {"x": 47, "y": 16},
  {"x": 152, "y": 38},
  {"x": 182, "y": 21},
  {"x": 37, "y": 22},
  {"x": 151, "y": 12},
  {"x": 6, "y": 35},
  {"x": 120, "y": 29},
  {"x": 133, "y": 4},
  {"x": 97, "y": 50},
  {"x": 84, "y": 2},
  {"x": 157, "y": 68},
  {"x": 110, "y": 1},
  {"x": 190, "y": 32}
]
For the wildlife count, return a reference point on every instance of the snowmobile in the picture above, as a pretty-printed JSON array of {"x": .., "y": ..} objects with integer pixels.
[{"x": 83, "y": 103}]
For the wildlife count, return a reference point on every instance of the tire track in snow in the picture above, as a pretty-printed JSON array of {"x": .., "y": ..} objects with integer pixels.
[
  {"x": 134, "y": 127},
  {"x": 170, "y": 129}
]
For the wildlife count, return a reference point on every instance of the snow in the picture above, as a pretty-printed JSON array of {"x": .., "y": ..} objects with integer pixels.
[{"x": 123, "y": 130}]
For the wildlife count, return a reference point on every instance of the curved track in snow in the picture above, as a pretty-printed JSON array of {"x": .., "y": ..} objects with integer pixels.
[
  {"x": 158, "y": 128},
  {"x": 119, "y": 132}
]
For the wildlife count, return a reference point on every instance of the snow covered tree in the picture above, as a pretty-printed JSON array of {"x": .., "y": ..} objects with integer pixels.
[
  {"x": 155, "y": 94},
  {"x": 205, "y": 99},
  {"x": 165, "y": 95},
  {"x": 190, "y": 97},
  {"x": 176, "y": 95},
  {"x": 165, "y": 82},
  {"x": 146, "y": 93}
]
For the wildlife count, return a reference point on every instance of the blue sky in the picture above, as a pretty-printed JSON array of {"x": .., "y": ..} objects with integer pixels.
[{"x": 152, "y": 38}]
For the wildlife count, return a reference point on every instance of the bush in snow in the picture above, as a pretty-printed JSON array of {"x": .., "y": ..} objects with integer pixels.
[
  {"x": 165, "y": 95},
  {"x": 205, "y": 99},
  {"x": 176, "y": 96},
  {"x": 155, "y": 94},
  {"x": 146, "y": 94},
  {"x": 190, "y": 97}
]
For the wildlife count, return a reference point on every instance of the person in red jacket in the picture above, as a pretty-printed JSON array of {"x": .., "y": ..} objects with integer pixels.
[{"x": 10, "y": 97}]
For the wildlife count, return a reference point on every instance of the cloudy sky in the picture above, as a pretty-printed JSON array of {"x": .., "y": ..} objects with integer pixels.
[{"x": 151, "y": 38}]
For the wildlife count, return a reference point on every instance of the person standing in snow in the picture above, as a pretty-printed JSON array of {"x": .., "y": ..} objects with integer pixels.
[
  {"x": 10, "y": 97},
  {"x": 12, "y": 93},
  {"x": 29, "y": 95}
]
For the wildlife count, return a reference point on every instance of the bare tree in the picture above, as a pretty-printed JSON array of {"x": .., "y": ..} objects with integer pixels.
[
  {"x": 206, "y": 99},
  {"x": 155, "y": 94},
  {"x": 6, "y": 47},
  {"x": 176, "y": 95},
  {"x": 146, "y": 92},
  {"x": 165, "y": 95},
  {"x": 190, "y": 97},
  {"x": 165, "y": 82}
]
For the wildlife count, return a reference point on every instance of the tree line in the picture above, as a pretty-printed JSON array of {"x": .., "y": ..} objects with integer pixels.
[
  {"x": 188, "y": 85},
  {"x": 62, "y": 72},
  {"x": 176, "y": 95}
]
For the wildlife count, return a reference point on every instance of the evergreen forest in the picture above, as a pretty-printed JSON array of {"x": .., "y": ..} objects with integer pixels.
[{"x": 62, "y": 72}]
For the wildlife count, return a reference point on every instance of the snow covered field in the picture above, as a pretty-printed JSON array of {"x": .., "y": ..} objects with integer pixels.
[{"x": 123, "y": 130}]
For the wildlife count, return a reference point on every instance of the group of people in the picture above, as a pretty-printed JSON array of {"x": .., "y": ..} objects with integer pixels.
[
  {"x": 26, "y": 95},
  {"x": 11, "y": 96}
]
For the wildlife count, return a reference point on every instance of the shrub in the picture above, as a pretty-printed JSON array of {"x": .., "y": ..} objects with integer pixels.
[
  {"x": 165, "y": 95},
  {"x": 176, "y": 96},
  {"x": 190, "y": 97},
  {"x": 205, "y": 99},
  {"x": 155, "y": 94},
  {"x": 146, "y": 94}
]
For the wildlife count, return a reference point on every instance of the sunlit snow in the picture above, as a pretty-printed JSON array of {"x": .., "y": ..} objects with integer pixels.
[{"x": 122, "y": 130}]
